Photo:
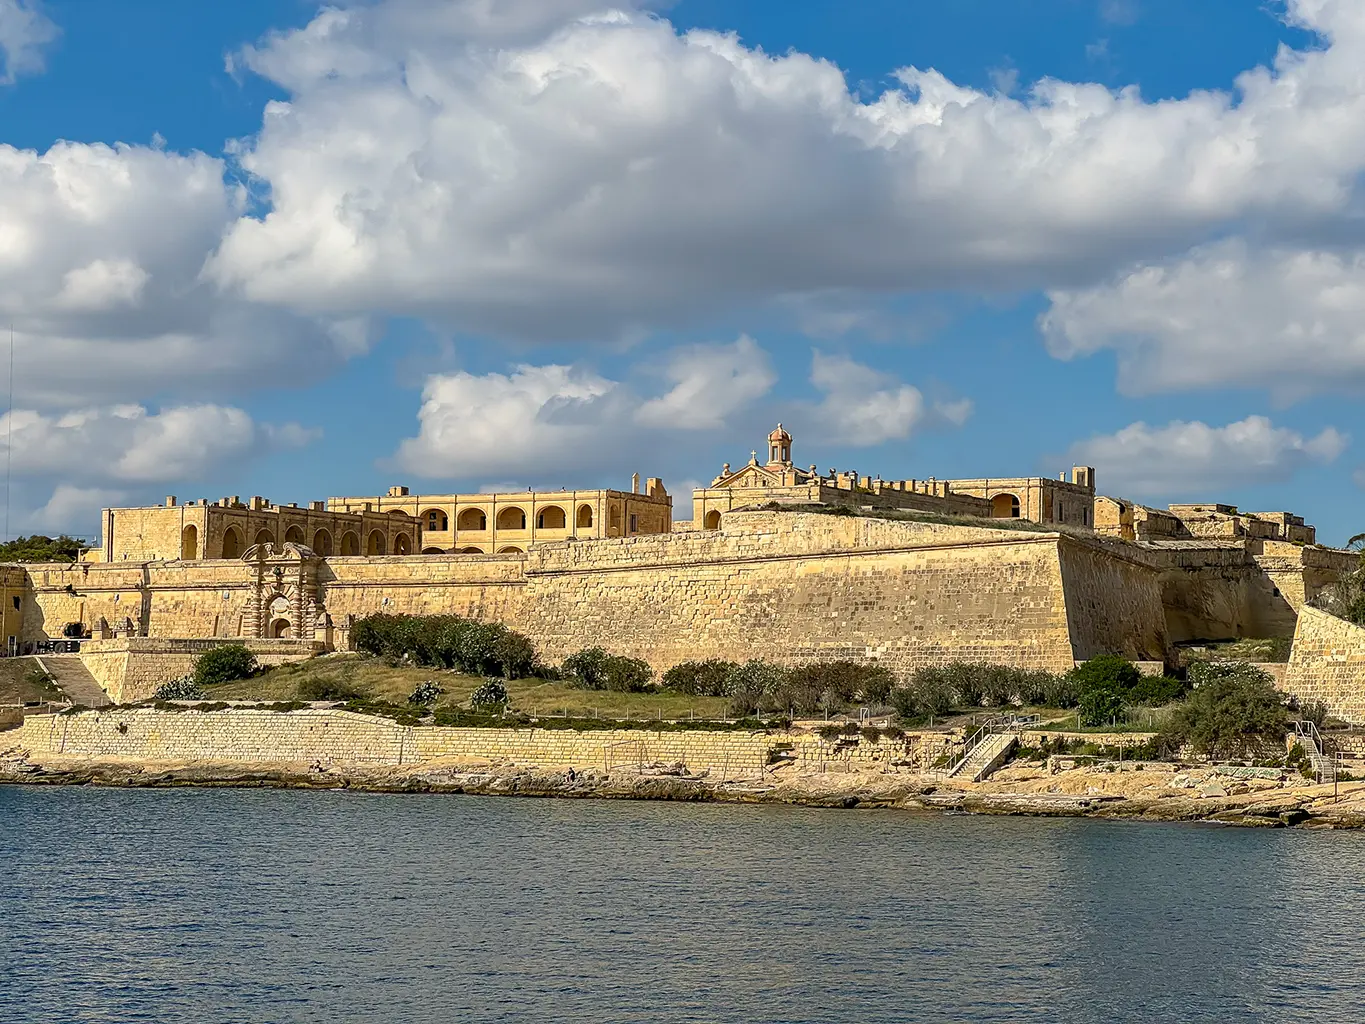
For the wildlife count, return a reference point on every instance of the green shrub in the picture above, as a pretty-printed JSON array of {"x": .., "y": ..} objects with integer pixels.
[
  {"x": 906, "y": 702},
  {"x": 1100, "y": 705},
  {"x": 446, "y": 641},
  {"x": 967, "y": 684},
  {"x": 841, "y": 682},
  {"x": 699, "y": 678},
  {"x": 1061, "y": 691},
  {"x": 893, "y": 732},
  {"x": 830, "y": 733},
  {"x": 490, "y": 696},
  {"x": 595, "y": 669},
  {"x": 1156, "y": 691},
  {"x": 1106, "y": 672},
  {"x": 1232, "y": 709},
  {"x": 426, "y": 694},
  {"x": 933, "y": 690},
  {"x": 184, "y": 688},
  {"x": 871, "y": 733},
  {"x": 328, "y": 689},
  {"x": 747, "y": 685},
  {"x": 223, "y": 664}
]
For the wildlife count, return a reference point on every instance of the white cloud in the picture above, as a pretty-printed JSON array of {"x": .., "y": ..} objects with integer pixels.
[
  {"x": 533, "y": 420},
  {"x": 128, "y": 444},
  {"x": 862, "y": 406},
  {"x": 1289, "y": 320},
  {"x": 710, "y": 384},
  {"x": 74, "y": 508},
  {"x": 25, "y": 32},
  {"x": 100, "y": 253},
  {"x": 580, "y": 176},
  {"x": 1195, "y": 459}
]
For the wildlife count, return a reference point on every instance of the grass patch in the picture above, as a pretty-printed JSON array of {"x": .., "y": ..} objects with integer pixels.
[
  {"x": 21, "y": 682},
  {"x": 361, "y": 679},
  {"x": 1269, "y": 650}
]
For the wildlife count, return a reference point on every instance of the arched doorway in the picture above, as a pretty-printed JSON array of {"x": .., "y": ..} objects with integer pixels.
[
  {"x": 376, "y": 544},
  {"x": 1005, "y": 506},
  {"x": 265, "y": 537},
  {"x": 322, "y": 543},
  {"x": 350, "y": 543},
  {"x": 189, "y": 542},
  {"x": 293, "y": 535},
  {"x": 584, "y": 516},
  {"x": 401, "y": 545},
  {"x": 432, "y": 551},
  {"x": 712, "y": 520},
  {"x": 551, "y": 517},
  {"x": 232, "y": 543},
  {"x": 512, "y": 518},
  {"x": 511, "y": 549},
  {"x": 280, "y": 629},
  {"x": 470, "y": 551}
]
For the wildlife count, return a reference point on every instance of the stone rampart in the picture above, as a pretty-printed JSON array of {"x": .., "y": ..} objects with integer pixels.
[
  {"x": 130, "y": 669},
  {"x": 1327, "y": 664},
  {"x": 343, "y": 737}
]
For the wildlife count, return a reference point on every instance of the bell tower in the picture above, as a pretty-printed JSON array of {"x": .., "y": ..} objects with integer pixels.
[{"x": 779, "y": 447}]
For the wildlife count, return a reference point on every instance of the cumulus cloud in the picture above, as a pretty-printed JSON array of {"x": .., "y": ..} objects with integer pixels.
[
  {"x": 74, "y": 509},
  {"x": 1195, "y": 459},
  {"x": 1292, "y": 320},
  {"x": 710, "y": 383},
  {"x": 100, "y": 255},
  {"x": 865, "y": 407},
  {"x": 589, "y": 174},
  {"x": 25, "y": 33},
  {"x": 533, "y": 420},
  {"x": 129, "y": 444}
]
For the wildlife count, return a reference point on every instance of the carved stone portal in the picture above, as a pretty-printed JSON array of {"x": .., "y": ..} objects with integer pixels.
[{"x": 285, "y": 598}]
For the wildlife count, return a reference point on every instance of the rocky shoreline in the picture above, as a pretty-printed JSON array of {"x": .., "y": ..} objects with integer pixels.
[{"x": 1077, "y": 793}]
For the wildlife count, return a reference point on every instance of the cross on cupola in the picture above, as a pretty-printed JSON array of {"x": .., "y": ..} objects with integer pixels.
[{"x": 779, "y": 447}]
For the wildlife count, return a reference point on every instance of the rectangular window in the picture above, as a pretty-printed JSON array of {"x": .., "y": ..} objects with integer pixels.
[
  {"x": 16, "y": 604},
  {"x": 634, "y": 523}
]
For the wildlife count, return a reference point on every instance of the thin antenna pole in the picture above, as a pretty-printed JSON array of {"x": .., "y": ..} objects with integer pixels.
[{"x": 9, "y": 424}]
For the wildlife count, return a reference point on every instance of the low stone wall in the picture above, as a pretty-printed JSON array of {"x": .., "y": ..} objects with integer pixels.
[
  {"x": 334, "y": 736},
  {"x": 130, "y": 669},
  {"x": 1327, "y": 664}
]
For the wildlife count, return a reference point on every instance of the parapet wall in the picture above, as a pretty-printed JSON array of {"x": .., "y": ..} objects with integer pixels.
[
  {"x": 130, "y": 669},
  {"x": 342, "y": 737},
  {"x": 1327, "y": 664}
]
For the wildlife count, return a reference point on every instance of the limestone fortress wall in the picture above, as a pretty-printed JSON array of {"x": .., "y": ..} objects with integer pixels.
[{"x": 783, "y": 585}]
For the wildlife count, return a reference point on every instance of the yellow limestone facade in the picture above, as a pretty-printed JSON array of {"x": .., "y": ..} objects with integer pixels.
[
  {"x": 512, "y": 522},
  {"x": 930, "y": 574}
]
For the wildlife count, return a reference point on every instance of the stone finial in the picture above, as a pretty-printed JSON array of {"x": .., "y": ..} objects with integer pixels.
[{"x": 725, "y": 469}]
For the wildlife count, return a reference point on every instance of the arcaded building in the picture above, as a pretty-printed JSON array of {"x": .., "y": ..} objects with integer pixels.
[
  {"x": 227, "y": 528},
  {"x": 515, "y": 521}
]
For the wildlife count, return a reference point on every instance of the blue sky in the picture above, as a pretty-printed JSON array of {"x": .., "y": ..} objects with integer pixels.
[{"x": 260, "y": 248}]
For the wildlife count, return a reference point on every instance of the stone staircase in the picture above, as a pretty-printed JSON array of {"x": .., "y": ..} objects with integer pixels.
[
  {"x": 989, "y": 753},
  {"x": 1323, "y": 766},
  {"x": 74, "y": 679}
]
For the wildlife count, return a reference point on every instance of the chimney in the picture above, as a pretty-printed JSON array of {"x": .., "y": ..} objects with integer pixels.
[{"x": 170, "y": 501}]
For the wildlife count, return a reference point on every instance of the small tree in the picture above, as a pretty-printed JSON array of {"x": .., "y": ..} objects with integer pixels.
[
  {"x": 1100, "y": 705},
  {"x": 1233, "y": 709},
  {"x": 749, "y": 683},
  {"x": 426, "y": 693},
  {"x": 699, "y": 678},
  {"x": 223, "y": 665},
  {"x": 1106, "y": 672}
]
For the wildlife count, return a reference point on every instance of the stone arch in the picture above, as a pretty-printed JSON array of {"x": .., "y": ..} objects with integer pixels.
[
  {"x": 281, "y": 629},
  {"x": 712, "y": 520},
  {"x": 473, "y": 519},
  {"x": 432, "y": 551},
  {"x": 402, "y": 544},
  {"x": 232, "y": 543},
  {"x": 264, "y": 536},
  {"x": 1005, "y": 506},
  {"x": 350, "y": 543},
  {"x": 189, "y": 542},
  {"x": 512, "y": 518},
  {"x": 471, "y": 551},
  {"x": 322, "y": 543},
  {"x": 293, "y": 535},
  {"x": 511, "y": 549},
  {"x": 551, "y": 517},
  {"x": 585, "y": 516},
  {"x": 375, "y": 545},
  {"x": 436, "y": 520}
]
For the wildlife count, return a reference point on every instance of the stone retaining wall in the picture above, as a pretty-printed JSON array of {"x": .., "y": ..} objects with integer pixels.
[
  {"x": 130, "y": 669},
  {"x": 1327, "y": 664}
]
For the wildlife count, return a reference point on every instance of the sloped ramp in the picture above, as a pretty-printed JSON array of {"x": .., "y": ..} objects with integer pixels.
[{"x": 74, "y": 679}]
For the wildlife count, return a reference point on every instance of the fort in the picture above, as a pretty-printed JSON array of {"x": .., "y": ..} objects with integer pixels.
[{"x": 782, "y": 562}]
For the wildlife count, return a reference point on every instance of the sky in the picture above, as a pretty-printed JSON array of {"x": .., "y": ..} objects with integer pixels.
[{"x": 298, "y": 251}]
